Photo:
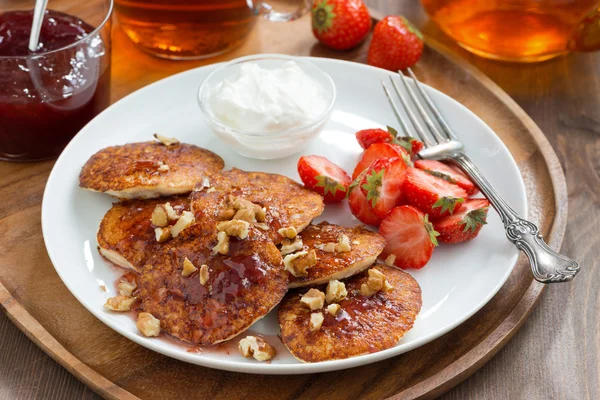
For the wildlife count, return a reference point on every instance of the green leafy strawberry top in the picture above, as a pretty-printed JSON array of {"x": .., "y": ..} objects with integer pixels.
[
  {"x": 329, "y": 185},
  {"x": 374, "y": 182},
  {"x": 323, "y": 16},
  {"x": 474, "y": 219},
  {"x": 448, "y": 203},
  {"x": 430, "y": 230}
]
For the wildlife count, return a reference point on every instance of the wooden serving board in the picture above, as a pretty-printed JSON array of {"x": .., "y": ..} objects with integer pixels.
[{"x": 35, "y": 299}]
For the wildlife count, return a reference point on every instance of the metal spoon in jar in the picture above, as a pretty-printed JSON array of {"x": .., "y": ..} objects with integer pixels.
[{"x": 36, "y": 25}]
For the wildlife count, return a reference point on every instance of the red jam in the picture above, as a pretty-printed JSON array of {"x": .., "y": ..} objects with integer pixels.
[{"x": 45, "y": 100}]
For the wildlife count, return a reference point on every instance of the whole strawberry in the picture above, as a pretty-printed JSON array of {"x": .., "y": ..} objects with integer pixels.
[
  {"x": 396, "y": 44},
  {"x": 340, "y": 24}
]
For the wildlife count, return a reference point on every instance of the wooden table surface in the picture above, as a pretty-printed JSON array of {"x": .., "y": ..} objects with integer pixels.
[{"x": 556, "y": 355}]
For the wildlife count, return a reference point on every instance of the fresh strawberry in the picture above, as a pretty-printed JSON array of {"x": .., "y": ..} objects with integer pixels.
[
  {"x": 448, "y": 173},
  {"x": 340, "y": 24},
  {"x": 367, "y": 137},
  {"x": 380, "y": 150},
  {"x": 396, "y": 44},
  {"x": 410, "y": 237},
  {"x": 410, "y": 144},
  {"x": 359, "y": 206},
  {"x": 324, "y": 177},
  {"x": 382, "y": 184},
  {"x": 431, "y": 194},
  {"x": 465, "y": 224}
]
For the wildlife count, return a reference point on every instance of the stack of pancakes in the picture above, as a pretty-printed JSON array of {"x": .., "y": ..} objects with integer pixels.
[{"x": 250, "y": 279}]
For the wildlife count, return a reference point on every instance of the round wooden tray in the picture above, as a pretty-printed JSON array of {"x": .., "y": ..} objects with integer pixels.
[{"x": 35, "y": 299}]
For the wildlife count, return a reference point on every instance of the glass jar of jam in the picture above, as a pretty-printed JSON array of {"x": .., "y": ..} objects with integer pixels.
[{"x": 48, "y": 95}]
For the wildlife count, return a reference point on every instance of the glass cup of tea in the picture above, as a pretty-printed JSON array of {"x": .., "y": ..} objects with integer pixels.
[
  {"x": 48, "y": 95},
  {"x": 194, "y": 29},
  {"x": 519, "y": 30}
]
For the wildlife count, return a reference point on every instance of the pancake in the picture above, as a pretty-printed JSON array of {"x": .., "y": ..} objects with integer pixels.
[
  {"x": 365, "y": 247},
  {"x": 287, "y": 203},
  {"x": 241, "y": 287},
  {"x": 148, "y": 169},
  {"x": 126, "y": 235},
  {"x": 363, "y": 325}
]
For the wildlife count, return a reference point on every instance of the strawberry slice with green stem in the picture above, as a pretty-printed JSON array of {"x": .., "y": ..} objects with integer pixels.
[
  {"x": 410, "y": 237},
  {"x": 382, "y": 184},
  {"x": 367, "y": 137},
  {"x": 449, "y": 173},
  {"x": 359, "y": 205},
  {"x": 465, "y": 224},
  {"x": 377, "y": 151},
  {"x": 431, "y": 194},
  {"x": 324, "y": 177}
]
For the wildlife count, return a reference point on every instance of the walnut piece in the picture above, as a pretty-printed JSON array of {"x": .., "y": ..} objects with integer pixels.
[
  {"x": 160, "y": 217},
  {"x": 234, "y": 227},
  {"x": 167, "y": 141},
  {"x": 211, "y": 189},
  {"x": 245, "y": 214},
  {"x": 253, "y": 211},
  {"x": 125, "y": 287},
  {"x": 226, "y": 215},
  {"x": 336, "y": 291},
  {"x": 162, "y": 234},
  {"x": 342, "y": 245},
  {"x": 171, "y": 213},
  {"x": 185, "y": 220},
  {"x": 316, "y": 320},
  {"x": 262, "y": 226},
  {"x": 257, "y": 347},
  {"x": 288, "y": 247},
  {"x": 390, "y": 260},
  {"x": 288, "y": 232},
  {"x": 333, "y": 309},
  {"x": 375, "y": 283},
  {"x": 222, "y": 245},
  {"x": 203, "y": 274},
  {"x": 314, "y": 299},
  {"x": 163, "y": 167},
  {"x": 188, "y": 268},
  {"x": 298, "y": 263},
  {"x": 119, "y": 303},
  {"x": 148, "y": 324}
]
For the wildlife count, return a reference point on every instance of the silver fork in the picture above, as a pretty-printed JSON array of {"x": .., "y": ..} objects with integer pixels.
[{"x": 547, "y": 265}]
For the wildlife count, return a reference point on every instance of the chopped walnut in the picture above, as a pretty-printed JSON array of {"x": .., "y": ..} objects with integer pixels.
[
  {"x": 148, "y": 324},
  {"x": 211, "y": 190},
  {"x": 257, "y": 347},
  {"x": 171, "y": 213},
  {"x": 226, "y": 215},
  {"x": 333, "y": 309},
  {"x": 125, "y": 287},
  {"x": 162, "y": 234},
  {"x": 185, "y": 220},
  {"x": 188, "y": 268},
  {"x": 261, "y": 226},
  {"x": 160, "y": 217},
  {"x": 342, "y": 245},
  {"x": 314, "y": 299},
  {"x": 163, "y": 167},
  {"x": 288, "y": 232},
  {"x": 375, "y": 283},
  {"x": 119, "y": 303},
  {"x": 298, "y": 263},
  {"x": 288, "y": 247},
  {"x": 234, "y": 227},
  {"x": 390, "y": 260},
  {"x": 245, "y": 214},
  {"x": 167, "y": 141},
  {"x": 316, "y": 320},
  {"x": 222, "y": 245},
  {"x": 203, "y": 274},
  {"x": 103, "y": 288},
  {"x": 336, "y": 291}
]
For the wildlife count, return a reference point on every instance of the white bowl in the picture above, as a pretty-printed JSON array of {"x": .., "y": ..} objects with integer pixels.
[{"x": 270, "y": 145}]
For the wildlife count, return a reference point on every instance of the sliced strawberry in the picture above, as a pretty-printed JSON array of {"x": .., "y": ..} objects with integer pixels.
[
  {"x": 410, "y": 144},
  {"x": 431, "y": 194},
  {"x": 465, "y": 224},
  {"x": 367, "y": 137},
  {"x": 382, "y": 184},
  {"x": 324, "y": 177},
  {"x": 380, "y": 150},
  {"x": 360, "y": 207},
  {"x": 410, "y": 237},
  {"x": 448, "y": 173}
]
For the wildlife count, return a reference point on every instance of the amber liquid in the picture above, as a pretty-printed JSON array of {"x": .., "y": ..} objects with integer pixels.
[
  {"x": 185, "y": 29},
  {"x": 512, "y": 30}
]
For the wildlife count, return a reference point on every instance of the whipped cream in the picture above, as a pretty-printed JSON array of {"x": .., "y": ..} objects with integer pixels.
[{"x": 268, "y": 100}]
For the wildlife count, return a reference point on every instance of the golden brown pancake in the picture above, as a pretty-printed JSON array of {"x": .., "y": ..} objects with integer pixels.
[
  {"x": 365, "y": 245},
  {"x": 242, "y": 287},
  {"x": 363, "y": 325},
  {"x": 137, "y": 170},
  {"x": 287, "y": 203},
  {"x": 126, "y": 235}
]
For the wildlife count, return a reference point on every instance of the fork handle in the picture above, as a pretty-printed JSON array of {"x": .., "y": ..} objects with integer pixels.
[{"x": 547, "y": 265}]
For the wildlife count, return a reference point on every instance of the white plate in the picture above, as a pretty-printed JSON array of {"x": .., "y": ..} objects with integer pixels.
[{"x": 456, "y": 283}]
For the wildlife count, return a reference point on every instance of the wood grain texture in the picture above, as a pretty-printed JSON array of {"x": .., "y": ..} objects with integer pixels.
[{"x": 375, "y": 381}]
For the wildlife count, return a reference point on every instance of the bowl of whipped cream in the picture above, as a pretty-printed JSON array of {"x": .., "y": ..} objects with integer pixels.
[{"x": 267, "y": 106}]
